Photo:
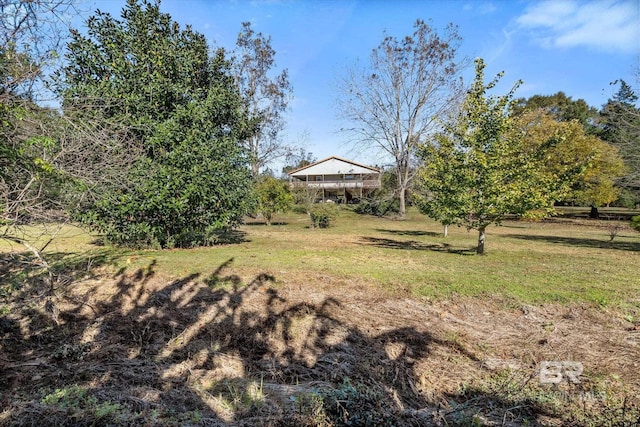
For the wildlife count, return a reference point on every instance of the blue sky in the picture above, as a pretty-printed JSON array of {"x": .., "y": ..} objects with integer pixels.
[{"x": 578, "y": 47}]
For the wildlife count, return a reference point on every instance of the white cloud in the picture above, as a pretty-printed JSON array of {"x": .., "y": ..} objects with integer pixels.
[
  {"x": 611, "y": 25},
  {"x": 487, "y": 8},
  {"x": 483, "y": 8}
]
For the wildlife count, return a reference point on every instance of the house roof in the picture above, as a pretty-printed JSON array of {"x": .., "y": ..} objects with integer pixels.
[{"x": 333, "y": 166}]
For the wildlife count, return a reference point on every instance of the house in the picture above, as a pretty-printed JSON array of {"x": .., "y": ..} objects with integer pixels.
[{"x": 337, "y": 179}]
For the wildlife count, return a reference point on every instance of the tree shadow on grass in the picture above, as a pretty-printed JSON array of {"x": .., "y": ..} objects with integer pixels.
[
  {"x": 410, "y": 232},
  {"x": 213, "y": 350},
  {"x": 416, "y": 246},
  {"x": 264, "y": 224},
  {"x": 233, "y": 236},
  {"x": 200, "y": 350},
  {"x": 580, "y": 241},
  {"x": 23, "y": 275},
  {"x": 197, "y": 350}
]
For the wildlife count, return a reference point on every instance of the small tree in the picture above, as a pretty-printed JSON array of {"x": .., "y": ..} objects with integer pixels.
[
  {"x": 480, "y": 171},
  {"x": 306, "y": 197},
  {"x": 273, "y": 197}
]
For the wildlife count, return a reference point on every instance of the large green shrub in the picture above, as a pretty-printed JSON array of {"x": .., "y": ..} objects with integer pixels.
[{"x": 190, "y": 177}]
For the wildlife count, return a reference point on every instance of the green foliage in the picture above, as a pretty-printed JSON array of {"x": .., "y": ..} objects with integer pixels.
[
  {"x": 378, "y": 204},
  {"x": 309, "y": 410},
  {"x": 322, "y": 214},
  {"x": 75, "y": 401},
  {"x": 627, "y": 199},
  {"x": 478, "y": 171},
  {"x": 180, "y": 104},
  {"x": 635, "y": 222},
  {"x": 273, "y": 196},
  {"x": 584, "y": 164},
  {"x": 561, "y": 107}
]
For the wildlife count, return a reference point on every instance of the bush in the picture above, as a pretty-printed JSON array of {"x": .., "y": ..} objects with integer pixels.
[
  {"x": 378, "y": 205},
  {"x": 322, "y": 214},
  {"x": 635, "y": 222},
  {"x": 627, "y": 199}
]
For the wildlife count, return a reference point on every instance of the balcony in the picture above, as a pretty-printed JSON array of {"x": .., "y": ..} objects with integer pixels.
[{"x": 338, "y": 184}]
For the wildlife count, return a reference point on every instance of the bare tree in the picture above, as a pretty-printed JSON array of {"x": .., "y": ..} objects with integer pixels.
[
  {"x": 48, "y": 160},
  {"x": 31, "y": 34},
  {"x": 395, "y": 103},
  {"x": 266, "y": 97}
]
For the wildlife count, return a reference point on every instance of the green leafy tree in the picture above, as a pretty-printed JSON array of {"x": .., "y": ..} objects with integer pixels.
[
  {"x": 561, "y": 107},
  {"x": 571, "y": 154},
  {"x": 191, "y": 177},
  {"x": 397, "y": 102},
  {"x": 273, "y": 197},
  {"x": 479, "y": 171}
]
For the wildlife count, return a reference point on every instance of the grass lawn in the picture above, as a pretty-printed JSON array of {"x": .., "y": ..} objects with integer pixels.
[
  {"x": 385, "y": 319},
  {"x": 531, "y": 262},
  {"x": 560, "y": 261}
]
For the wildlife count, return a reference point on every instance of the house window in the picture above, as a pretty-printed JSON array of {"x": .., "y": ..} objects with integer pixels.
[
  {"x": 318, "y": 178},
  {"x": 346, "y": 177}
]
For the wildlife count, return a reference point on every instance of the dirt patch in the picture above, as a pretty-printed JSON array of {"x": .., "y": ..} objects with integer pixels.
[{"x": 136, "y": 348}]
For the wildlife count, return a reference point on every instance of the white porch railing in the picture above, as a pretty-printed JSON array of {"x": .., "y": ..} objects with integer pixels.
[{"x": 337, "y": 184}]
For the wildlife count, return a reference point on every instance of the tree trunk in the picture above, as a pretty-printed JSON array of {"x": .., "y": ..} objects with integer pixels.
[
  {"x": 481, "y": 235},
  {"x": 446, "y": 230},
  {"x": 255, "y": 170},
  {"x": 594, "y": 214},
  {"x": 402, "y": 211}
]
